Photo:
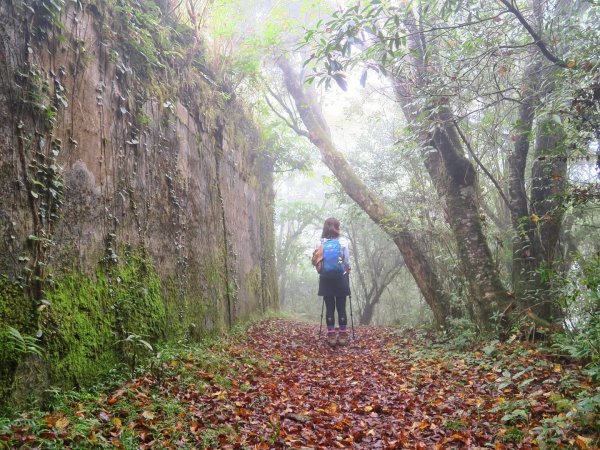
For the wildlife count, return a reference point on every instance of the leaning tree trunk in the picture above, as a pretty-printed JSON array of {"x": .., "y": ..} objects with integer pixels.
[
  {"x": 367, "y": 313},
  {"x": 488, "y": 294},
  {"x": 373, "y": 299},
  {"x": 318, "y": 132},
  {"x": 455, "y": 180}
]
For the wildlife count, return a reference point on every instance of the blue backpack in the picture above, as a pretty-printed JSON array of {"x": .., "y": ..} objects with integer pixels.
[{"x": 333, "y": 264}]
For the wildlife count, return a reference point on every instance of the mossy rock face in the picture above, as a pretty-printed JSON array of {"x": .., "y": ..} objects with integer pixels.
[
  {"x": 90, "y": 305},
  {"x": 135, "y": 289},
  {"x": 30, "y": 381},
  {"x": 186, "y": 310},
  {"x": 17, "y": 312},
  {"x": 85, "y": 325},
  {"x": 90, "y": 316},
  {"x": 80, "y": 334},
  {"x": 254, "y": 280}
]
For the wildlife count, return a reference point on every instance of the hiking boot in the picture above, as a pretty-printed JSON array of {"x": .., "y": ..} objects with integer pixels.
[
  {"x": 331, "y": 339},
  {"x": 343, "y": 339}
]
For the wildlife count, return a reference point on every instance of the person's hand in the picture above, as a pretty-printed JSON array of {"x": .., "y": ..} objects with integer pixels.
[{"x": 348, "y": 269}]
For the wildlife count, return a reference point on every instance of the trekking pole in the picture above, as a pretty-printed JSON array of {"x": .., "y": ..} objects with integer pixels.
[
  {"x": 321, "y": 325},
  {"x": 352, "y": 318}
]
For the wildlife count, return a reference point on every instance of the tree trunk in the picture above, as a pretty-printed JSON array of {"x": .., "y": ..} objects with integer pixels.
[
  {"x": 524, "y": 238},
  {"x": 487, "y": 291},
  {"x": 548, "y": 182},
  {"x": 537, "y": 225},
  {"x": 318, "y": 133},
  {"x": 367, "y": 313},
  {"x": 455, "y": 180},
  {"x": 372, "y": 301}
]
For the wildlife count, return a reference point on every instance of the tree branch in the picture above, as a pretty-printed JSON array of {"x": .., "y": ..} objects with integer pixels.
[
  {"x": 479, "y": 163},
  {"x": 290, "y": 121},
  {"x": 537, "y": 39}
]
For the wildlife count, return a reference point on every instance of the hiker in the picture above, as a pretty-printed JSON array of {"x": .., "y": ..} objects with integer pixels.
[{"x": 334, "y": 287}]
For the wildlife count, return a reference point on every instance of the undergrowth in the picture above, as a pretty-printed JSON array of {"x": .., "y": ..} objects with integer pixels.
[
  {"x": 159, "y": 361},
  {"x": 530, "y": 376}
]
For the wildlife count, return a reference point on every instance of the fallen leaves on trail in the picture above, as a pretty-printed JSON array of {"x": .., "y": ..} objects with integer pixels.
[{"x": 282, "y": 387}]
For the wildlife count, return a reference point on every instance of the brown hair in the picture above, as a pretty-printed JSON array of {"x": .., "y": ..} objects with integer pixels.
[{"x": 331, "y": 228}]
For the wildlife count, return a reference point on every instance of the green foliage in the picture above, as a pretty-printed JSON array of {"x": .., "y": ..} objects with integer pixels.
[
  {"x": 135, "y": 349},
  {"x": 515, "y": 411},
  {"x": 578, "y": 294},
  {"x": 22, "y": 344},
  {"x": 461, "y": 333},
  {"x": 284, "y": 148},
  {"x": 455, "y": 424},
  {"x": 210, "y": 438},
  {"x": 47, "y": 16},
  {"x": 145, "y": 34},
  {"x": 512, "y": 434}
]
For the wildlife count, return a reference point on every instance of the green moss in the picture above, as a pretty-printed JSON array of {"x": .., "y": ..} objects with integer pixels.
[
  {"x": 136, "y": 290},
  {"x": 194, "y": 299},
  {"x": 89, "y": 316},
  {"x": 177, "y": 305},
  {"x": 18, "y": 312},
  {"x": 186, "y": 306},
  {"x": 80, "y": 330},
  {"x": 213, "y": 273},
  {"x": 254, "y": 281}
]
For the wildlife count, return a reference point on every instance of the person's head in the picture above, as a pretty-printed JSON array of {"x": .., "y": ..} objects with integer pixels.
[{"x": 331, "y": 228}]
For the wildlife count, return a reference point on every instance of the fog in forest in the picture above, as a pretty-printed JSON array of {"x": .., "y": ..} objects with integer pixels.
[{"x": 371, "y": 91}]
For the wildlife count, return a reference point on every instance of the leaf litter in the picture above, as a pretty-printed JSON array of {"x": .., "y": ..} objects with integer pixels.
[{"x": 279, "y": 386}]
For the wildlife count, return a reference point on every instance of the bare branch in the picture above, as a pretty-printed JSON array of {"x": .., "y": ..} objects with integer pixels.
[
  {"x": 290, "y": 120},
  {"x": 536, "y": 38},
  {"x": 289, "y": 110},
  {"x": 480, "y": 164}
]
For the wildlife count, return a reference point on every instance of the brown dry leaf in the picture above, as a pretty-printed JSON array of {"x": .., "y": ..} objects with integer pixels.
[
  {"x": 583, "y": 442},
  {"x": 61, "y": 423}
]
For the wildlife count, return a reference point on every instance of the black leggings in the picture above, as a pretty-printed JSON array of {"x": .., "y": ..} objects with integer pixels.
[{"x": 331, "y": 304}]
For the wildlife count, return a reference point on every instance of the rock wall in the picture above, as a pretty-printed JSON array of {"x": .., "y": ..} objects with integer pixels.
[{"x": 135, "y": 200}]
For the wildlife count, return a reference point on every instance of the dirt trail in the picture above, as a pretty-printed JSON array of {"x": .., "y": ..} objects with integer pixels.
[
  {"x": 370, "y": 394},
  {"x": 279, "y": 386}
]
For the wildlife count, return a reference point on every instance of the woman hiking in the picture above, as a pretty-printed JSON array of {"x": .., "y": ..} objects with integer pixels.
[{"x": 334, "y": 283}]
